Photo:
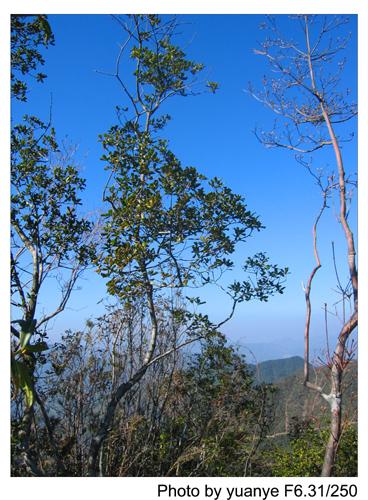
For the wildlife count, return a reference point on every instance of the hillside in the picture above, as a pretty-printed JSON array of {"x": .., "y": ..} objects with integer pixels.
[{"x": 294, "y": 400}]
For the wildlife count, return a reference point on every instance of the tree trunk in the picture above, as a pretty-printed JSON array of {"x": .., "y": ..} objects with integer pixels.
[
  {"x": 339, "y": 362},
  {"x": 335, "y": 425}
]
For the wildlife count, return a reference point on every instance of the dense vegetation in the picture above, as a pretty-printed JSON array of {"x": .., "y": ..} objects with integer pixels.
[
  {"x": 152, "y": 387},
  {"x": 198, "y": 413}
]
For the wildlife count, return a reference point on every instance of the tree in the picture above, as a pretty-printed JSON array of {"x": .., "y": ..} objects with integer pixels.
[
  {"x": 49, "y": 239},
  {"x": 305, "y": 92},
  {"x": 167, "y": 227}
]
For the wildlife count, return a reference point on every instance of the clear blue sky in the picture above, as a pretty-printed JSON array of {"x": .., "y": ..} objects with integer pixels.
[{"x": 213, "y": 133}]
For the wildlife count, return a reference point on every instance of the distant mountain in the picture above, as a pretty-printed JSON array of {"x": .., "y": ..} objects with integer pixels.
[{"x": 275, "y": 369}]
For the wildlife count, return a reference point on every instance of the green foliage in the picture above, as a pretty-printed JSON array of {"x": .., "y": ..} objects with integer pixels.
[
  {"x": 169, "y": 217},
  {"x": 303, "y": 455},
  {"x": 165, "y": 69},
  {"x": 28, "y": 34},
  {"x": 213, "y": 86},
  {"x": 171, "y": 226},
  {"x": 23, "y": 362},
  {"x": 162, "y": 68},
  {"x": 45, "y": 194},
  {"x": 347, "y": 453},
  {"x": 218, "y": 417},
  {"x": 45, "y": 223},
  {"x": 168, "y": 226}
]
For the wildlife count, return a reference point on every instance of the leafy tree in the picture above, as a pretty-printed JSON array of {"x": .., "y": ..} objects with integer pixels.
[
  {"x": 48, "y": 236},
  {"x": 167, "y": 227},
  {"x": 304, "y": 91}
]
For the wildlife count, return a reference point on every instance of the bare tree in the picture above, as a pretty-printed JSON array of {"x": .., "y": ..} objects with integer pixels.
[{"x": 305, "y": 91}]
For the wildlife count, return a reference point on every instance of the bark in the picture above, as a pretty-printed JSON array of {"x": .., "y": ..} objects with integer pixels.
[{"x": 335, "y": 426}]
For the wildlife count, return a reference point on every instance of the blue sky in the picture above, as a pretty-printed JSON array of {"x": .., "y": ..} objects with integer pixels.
[{"x": 213, "y": 133}]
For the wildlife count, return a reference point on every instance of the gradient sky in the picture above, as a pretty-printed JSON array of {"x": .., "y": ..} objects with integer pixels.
[{"x": 215, "y": 134}]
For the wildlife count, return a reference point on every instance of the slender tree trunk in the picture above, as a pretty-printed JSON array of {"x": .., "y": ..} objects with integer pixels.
[
  {"x": 335, "y": 426},
  {"x": 338, "y": 362}
]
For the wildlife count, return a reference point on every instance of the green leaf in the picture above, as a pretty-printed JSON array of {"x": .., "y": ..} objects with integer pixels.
[
  {"x": 41, "y": 346},
  {"x": 24, "y": 339},
  {"x": 22, "y": 379},
  {"x": 15, "y": 375},
  {"x": 46, "y": 28},
  {"x": 213, "y": 86},
  {"x": 28, "y": 394}
]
